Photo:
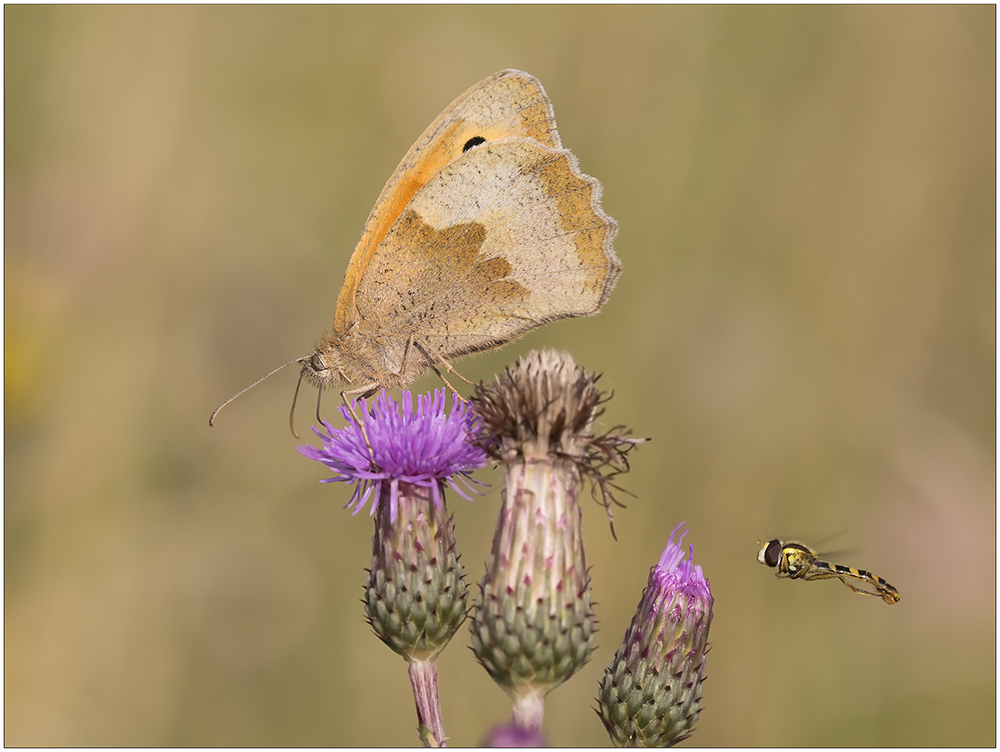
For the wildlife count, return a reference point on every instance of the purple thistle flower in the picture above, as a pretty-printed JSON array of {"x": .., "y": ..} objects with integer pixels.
[
  {"x": 675, "y": 576},
  {"x": 424, "y": 448},
  {"x": 650, "y": 695}
]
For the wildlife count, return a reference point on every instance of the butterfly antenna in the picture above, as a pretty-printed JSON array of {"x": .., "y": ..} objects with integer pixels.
[
  {"x": 211, "y": 419},
  {"x": 295, "y": 398}
]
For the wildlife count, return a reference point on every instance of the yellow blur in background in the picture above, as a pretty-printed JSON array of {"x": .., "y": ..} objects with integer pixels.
[{"x": 805, "y": 326}]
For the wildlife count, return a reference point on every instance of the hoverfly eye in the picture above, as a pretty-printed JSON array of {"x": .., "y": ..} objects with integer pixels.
[{"x": 772, "y": 554}]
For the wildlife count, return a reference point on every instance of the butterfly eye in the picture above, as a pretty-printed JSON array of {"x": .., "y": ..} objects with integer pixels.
[
  {"x": 317, "y": 363},
  {"x": 474, "y": 141}
]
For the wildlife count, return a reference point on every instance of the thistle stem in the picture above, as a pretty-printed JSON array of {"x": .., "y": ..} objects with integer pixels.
[
  {"x": 423, "y": 680},
  {"x": 529, "y": 710}
]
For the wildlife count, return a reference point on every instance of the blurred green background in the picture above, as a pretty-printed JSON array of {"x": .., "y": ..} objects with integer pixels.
[{"x": 805, "y": 326}]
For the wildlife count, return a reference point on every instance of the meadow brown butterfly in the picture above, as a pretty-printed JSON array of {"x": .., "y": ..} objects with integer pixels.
[{"x": 485, "y": 230}]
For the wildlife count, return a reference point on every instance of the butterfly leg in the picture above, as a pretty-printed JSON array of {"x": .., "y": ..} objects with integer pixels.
[
  {"x": 446, "y": 382},
  {"x": 448, "y": 365},
  {"x": 363, "y": 391},
  {"x": 444, "y": 362},
  {"x": 431, "y": 354}
]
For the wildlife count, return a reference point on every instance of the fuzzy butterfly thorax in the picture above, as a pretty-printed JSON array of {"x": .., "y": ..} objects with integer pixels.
[{"x": 359, "y": 358}]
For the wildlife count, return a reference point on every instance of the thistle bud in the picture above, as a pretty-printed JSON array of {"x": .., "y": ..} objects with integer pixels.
[
  {"x": 533, "y": 625},
  {"x": 415, "y": 597},
  {"x": 651, "y": 692}
]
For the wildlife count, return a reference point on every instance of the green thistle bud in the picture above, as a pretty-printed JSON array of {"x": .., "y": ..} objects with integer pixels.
[
  {"x": 650, "y": 695},
  {"x": 533, "y": 625},
  {"x": 415, "y": 598}
]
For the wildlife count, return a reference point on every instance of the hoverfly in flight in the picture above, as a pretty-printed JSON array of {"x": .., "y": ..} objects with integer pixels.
[{"x": 797, "y": 561}]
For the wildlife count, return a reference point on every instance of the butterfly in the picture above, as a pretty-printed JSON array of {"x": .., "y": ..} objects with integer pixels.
[{"x": 486, "y": 230}]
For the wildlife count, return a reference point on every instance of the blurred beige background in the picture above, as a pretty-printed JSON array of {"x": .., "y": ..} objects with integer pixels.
[{"x": 805, "y": 326}]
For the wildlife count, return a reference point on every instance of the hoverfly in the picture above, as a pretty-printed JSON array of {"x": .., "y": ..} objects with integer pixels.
[{"x": 797, "y": 561}]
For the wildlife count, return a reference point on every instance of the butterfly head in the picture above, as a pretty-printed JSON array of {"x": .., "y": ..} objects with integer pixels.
[{"x": 322, "y": 369}]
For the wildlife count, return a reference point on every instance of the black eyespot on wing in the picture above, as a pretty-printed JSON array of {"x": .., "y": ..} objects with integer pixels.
[{"x": 474, "y": 141}]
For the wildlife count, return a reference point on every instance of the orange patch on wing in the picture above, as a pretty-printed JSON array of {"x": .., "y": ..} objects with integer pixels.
[{"x": 384, "y": 216}]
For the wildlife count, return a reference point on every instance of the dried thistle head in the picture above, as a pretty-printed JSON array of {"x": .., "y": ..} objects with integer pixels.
[
  {"x": 533, "y": 625},
  {"x": 544, "y": 407}
]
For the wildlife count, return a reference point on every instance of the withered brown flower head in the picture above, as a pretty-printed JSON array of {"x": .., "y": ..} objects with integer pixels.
[{"x": 544, "y": 408}]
